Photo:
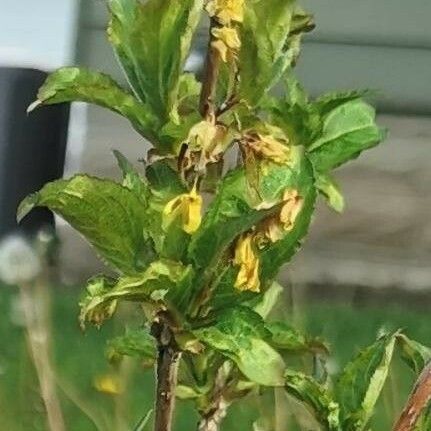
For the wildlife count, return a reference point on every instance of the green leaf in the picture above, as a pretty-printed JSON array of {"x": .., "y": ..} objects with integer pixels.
[
  {"x": 111, "y": 217},
  {"x": 73, "y": 84},
  {"x": 163, "y": 280},
  {"x": 270, "y": 36},
  {"x": 239, "y": 333},
  {"x": 347, "y": 131},
  {"x": 331, "y": 191},
  {"x": 315, "y": 397},
  {"x": 295, "y": 114},
  {"x": 132, "y": 180},
  {"x": 152, "y": 40},
  {"x": 414, "y": 354},
  {"x": 268, "y": 301},
  {"x": 329, "y": 101},
  {"x": 285, "y": 337},
  {"x": 274, "y": 256},
  {"x": 362, "y": 381},
  {"x": 137, "y": 343}
]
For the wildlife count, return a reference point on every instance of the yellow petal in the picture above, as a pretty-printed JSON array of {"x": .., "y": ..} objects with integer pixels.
[
  {"x": 293, "y": 204},
  {"x": 187, "y": 207},
  {"x": 226, "y": 11},
  {"x": 248, "y": 262}
]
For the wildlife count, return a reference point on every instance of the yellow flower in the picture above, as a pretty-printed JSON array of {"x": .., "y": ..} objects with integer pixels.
[
  {"x": 187, "y": 207},
  {"x": 274, "y": 228},
  {"x": 227, "y": 42},
  {"x": 270, "y": 148},
  {"x": 248, "y": 262},
  {"x": 226, "y": 11},
  {"x": 108, "y": 384}
]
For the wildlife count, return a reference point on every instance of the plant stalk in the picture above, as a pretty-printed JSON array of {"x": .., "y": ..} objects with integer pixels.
[
  {"x": 209, "y": 83},
  {"x": 417, "y": 402},
  {"x": 34, "y": 302},
  {"x": 166, "y": 374}
]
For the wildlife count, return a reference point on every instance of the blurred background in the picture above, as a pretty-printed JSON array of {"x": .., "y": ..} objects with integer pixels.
[{"x": 366, "y": 269}]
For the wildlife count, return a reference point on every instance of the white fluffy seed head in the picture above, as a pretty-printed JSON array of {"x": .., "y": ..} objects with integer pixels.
[{"x": 19, "y": 262}]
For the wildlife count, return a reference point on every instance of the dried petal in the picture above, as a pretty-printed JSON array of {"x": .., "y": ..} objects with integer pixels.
[{"x": 247, "y": 260}]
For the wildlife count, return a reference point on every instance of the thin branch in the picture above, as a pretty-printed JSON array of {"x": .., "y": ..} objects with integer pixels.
[
  {"x": 209, "y": 85},
  {"x": 417, "y": 402},
  {"x": 167, "y": 370}
]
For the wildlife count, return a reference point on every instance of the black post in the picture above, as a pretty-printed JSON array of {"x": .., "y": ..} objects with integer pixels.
[{"x": 32, "y": 147}]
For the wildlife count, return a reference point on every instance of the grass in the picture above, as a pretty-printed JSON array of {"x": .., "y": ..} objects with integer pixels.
[{"x": 79, "y": 358}]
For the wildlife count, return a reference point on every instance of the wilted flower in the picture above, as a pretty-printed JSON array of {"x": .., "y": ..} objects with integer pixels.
[
  {"x": 269, "y": 147},
  {"x": 247, "y": 260},
  {"x": 108, "y": 384},
  {"x": 187, "y": 207},
  {"x": 206, "y": 141},
  {"x": 202, "y": 135},
  {"x": 226, "y": 11},
  {"x": 274, "y": 228},
  {"x": 227, "y": 42},
  {"x": 19, "y": 262}
]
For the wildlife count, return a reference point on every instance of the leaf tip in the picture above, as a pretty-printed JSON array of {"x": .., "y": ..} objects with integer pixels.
[
  {"x": 34, "y": 106},
  {"x": 26, "y": 206}
]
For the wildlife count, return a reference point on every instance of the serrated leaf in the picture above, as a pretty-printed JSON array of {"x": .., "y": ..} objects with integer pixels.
[
  {"x": 270, "y": 37},
  {"x": 347, "y": 131},
  {"x": 295, "y": 114},
  {"x": 316, "y": 398},
  {"x": 239, "y": 334},
  {"x": 163, "y": 280},
  {"x": 152, "y": 40},
  {"x": 331, "y": 191},
  {"x": 329, "y": 101},
  {"x": 137, "y": 343},
  {"x": 284, "y": 337},
  {"x": 362, "y": 381},
  {"x": 111, "y": 217},
  {"x": 414, "y": 354},
  {"x": 73, "y": 84},
  {"x": 131, "y": 178}
]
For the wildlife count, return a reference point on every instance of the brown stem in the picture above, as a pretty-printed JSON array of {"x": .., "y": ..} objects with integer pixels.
[
  {"x": 166, "y": 373},
  {"x": 209, "y": 85},
  {"x": 417, "y": 402}
]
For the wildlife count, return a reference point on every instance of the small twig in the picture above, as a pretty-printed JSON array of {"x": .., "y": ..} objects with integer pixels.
[
  {"x": 209, "y": 85},
  {"x": 417, "y": 402},
  {"x": 167, "y": 370}
]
